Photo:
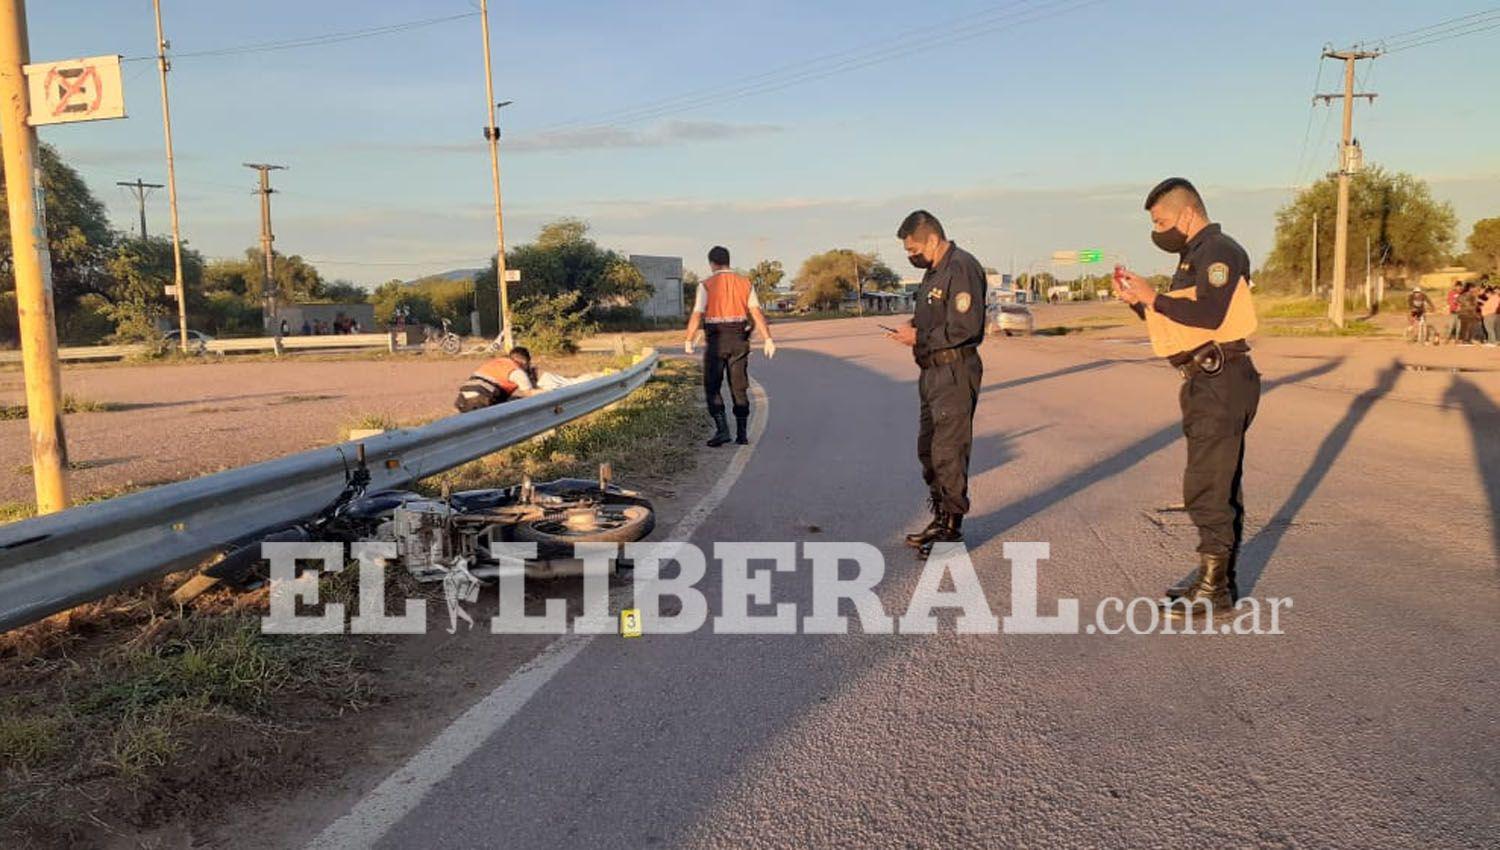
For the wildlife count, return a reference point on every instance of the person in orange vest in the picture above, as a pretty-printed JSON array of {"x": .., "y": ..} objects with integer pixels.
[
  {"x": 725, "y": 307},
  {"x": 497, "y": 381},
  {"x": 1200, "y": 325}
]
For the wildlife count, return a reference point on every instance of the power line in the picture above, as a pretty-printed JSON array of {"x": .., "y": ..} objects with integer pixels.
[
  {"x": 1452, "y": 28},
  {"x": 1312, "y": 109},
  {"x": 823, "y": 67},
  {"x": 314, "y": 40}
]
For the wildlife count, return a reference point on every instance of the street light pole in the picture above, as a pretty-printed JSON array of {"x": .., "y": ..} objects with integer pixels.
[{"x": 492, "y": 135}]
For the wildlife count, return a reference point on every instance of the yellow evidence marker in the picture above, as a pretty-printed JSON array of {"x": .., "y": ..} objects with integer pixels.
[{"x": 630, "y": 623}]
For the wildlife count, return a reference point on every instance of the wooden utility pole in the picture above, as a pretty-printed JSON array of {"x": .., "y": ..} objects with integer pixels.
[
  {"x": 1349, "y": 163},
  {"x": 268, "y": 290},
  {"x": 492, "y": 135},
  {"x": 163, "y": 66},
  {"x": 31, "y": 263},
  {"x": 140, "y": 189}
]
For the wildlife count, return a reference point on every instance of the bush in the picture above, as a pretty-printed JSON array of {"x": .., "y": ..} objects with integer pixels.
[{"x": 550, "y": 325}]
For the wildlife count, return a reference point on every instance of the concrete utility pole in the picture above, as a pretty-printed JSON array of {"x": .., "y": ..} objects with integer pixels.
[
  {"x": 859, "y": 286},
  {"x": 31, "y": 264},
  {"x": 1312, "y": 285},
  {"x": 269, "y": 306},
  {"x": 1349, "y": 162},
  {"x": 140, "y": 189},
  {"x": 166, "y": 121},
  {"x": 492, "y": 135}
]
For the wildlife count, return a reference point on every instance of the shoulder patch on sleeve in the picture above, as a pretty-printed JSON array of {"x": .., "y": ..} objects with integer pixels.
[
  {"x": 1218, "y": 274},
  {"x": 961, "y": 302}
]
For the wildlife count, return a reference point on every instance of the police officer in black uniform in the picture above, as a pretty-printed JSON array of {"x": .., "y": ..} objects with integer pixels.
[
  {"x": 944, "y": 335},
  {"x": 1200, "y": 325}
]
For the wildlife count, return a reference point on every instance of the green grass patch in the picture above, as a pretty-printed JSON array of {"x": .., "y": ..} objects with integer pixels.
[
  {"x": 70, "y": 404},
  {"x": 1324, "y": 328},
  {"x": 1291, "y": 308}
]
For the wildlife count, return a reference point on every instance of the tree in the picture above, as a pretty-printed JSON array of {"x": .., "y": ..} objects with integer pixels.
[
  {"x": 139, "y": 272},
  {"x": 689, "y": 289},
  {"x": 295, "y": 278},
  {"x": 826, "y": 278},
  {"x": 766, "y": 276},
  {"x": 1409, "y": 232},
  {"x": 78, "y": 233},
  {"x": 564, "y": 260},
  {"x": 1484, "y": 247},
  {"x": 346, "y": 292}
]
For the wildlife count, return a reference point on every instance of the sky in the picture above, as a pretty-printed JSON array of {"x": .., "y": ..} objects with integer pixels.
[{"x": 777, "y": 128}]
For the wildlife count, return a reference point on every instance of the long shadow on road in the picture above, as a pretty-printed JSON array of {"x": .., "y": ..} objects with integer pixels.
[
  {"x": 985, "y": 528},
  {"x": 1256, "y": 553},
  {"x": 1483, "y": 417}
]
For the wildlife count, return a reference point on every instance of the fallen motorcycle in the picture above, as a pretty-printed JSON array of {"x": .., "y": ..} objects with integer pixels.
[{"x": 463, "y": 530}]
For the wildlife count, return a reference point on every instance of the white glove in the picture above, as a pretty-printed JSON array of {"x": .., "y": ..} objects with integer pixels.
[
  {"x": 687, "y": 346},
  {"x": 769, "y": 348}
]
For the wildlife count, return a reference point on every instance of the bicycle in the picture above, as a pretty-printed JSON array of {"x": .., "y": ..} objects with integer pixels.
[
  {"x": 1423, "y": 333},
  {"x": 445, "y": 340}
]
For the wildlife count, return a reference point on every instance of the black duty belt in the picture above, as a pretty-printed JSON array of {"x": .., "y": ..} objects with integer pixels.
[
  {"x": 945, "y": 356},
  {"x": 1208, "y": 358}
]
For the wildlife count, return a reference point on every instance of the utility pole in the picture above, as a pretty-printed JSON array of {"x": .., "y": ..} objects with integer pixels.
[
  {"x": 492, "y": 135},
  {"x": 140, "y": 190},
  {"x": 859, "y": 286},
  {"x": 31, "y": 264},
  {"x": 1312, "y": 285},
  {"x": 268, "y": 290},
  {"x": 1349, "y": 163},
  {"x": 166, "y": 121}
]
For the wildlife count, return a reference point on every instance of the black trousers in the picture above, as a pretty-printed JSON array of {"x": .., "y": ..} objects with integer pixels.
[
  {"x": 1216, "y": 412},
  {"x": 949, "y": 394},
  {"x": 727, "y": 350}
]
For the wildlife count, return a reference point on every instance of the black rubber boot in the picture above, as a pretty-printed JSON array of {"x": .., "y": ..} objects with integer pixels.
[
  {"x": 721, "y": 429},
  {"x": 917, "y": 539},
  {"x": 949, "y": 530},
  {"x": 742, "y": 430},
  {"x": 1212, "y": 589}
]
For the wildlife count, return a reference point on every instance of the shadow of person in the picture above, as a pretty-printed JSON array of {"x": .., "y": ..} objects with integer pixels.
[
  {"x": 1055, "y": 373},
  {"x": 1483, "y": 418},
  {"x": 982, "y": 529},
  {"x": 1256, "y": 553}
]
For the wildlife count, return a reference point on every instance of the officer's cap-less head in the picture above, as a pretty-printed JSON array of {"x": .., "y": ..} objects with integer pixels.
[
  {"x": 1177, "y": 191},
  {"x": 718, "y": 256},
  {"x": 920, "y": 233}
]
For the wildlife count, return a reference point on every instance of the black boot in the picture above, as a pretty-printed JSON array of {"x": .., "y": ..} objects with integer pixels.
[
  {"x": 950, "y": 530},
  {"x": 721, "y": 429},
  {"x": 742, "y": 429},
  {"x": 1211, "y": 589},
  {"x": 917, "y": 539}
]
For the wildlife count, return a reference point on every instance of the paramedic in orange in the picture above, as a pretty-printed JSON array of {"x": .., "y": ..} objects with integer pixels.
[
  {"x": 1200, "y": 325},
  {"x": 725, "y": 307}
]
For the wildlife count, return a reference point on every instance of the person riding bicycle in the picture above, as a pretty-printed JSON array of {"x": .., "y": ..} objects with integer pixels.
[
  {"x": 1419, "y": 304},
  {"x": 498, "y": 381}
]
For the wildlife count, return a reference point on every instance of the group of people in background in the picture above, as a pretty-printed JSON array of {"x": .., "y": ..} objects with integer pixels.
[
  {"x": 339, "y": 325},
  {"x": 1473, "y": 311}
]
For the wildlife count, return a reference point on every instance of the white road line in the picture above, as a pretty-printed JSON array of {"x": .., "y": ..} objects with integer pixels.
[{"x": 363, "y": 825}]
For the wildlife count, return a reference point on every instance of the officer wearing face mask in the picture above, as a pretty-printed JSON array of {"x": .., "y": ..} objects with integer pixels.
[
  {"x": 944, "y": 336},
  {"x": 1200, "y": 326}
]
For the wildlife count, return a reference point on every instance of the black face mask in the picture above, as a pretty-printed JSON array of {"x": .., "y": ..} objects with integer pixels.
[
  {"x": 919, "y": 261},
  {"x": 1170, "y": 240}
]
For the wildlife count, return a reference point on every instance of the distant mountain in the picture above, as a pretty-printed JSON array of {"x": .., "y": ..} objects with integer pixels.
[{"x": 455, "y": 274}]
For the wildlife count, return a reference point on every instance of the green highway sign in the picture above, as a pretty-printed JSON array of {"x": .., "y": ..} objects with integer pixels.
[{"x": 1090, "y": 255}]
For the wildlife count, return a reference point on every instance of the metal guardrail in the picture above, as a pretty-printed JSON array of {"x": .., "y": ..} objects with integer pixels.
[
  {"x": 84, "y": 353},
  {"x": 52, "y": 563}
]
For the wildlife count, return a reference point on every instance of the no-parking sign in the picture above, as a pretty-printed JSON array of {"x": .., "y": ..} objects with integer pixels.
[{"x": 75, "y": 90}]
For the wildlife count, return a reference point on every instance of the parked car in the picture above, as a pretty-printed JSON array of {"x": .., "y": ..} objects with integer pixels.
[
  {"x": 197, "y": 341},
  {"x": 1011, "y": 319}
]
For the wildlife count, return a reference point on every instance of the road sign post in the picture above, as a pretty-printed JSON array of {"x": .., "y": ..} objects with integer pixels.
[{"x": 31, "y": 264}]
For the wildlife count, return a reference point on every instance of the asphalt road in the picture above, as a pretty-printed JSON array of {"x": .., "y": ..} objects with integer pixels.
[{"x": 1373, "y": 492}]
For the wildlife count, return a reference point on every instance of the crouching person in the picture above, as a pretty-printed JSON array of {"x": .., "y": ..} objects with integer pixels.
[{"x": 498, "y": 381}]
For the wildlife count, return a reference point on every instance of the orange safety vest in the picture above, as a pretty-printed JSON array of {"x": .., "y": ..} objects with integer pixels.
[
  {"x": 728, "y": 298},
  {"x": 1169, "y": 338},
  {"x": 497, "y": 372}
]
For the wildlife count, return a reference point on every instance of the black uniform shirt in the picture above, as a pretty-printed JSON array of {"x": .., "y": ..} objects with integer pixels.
[
  {"x": 950, "y": 304},
  {"x": 1214, "y": 264}
]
